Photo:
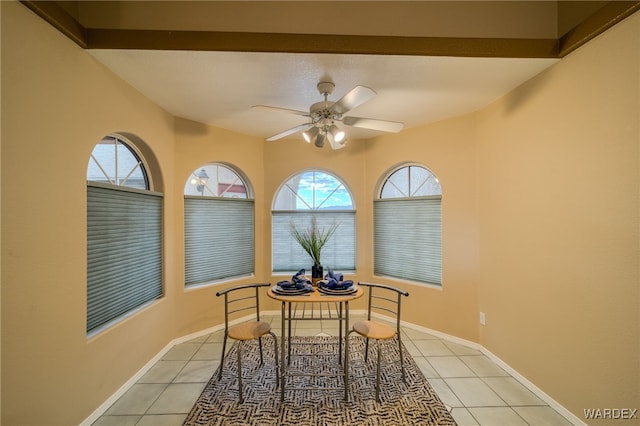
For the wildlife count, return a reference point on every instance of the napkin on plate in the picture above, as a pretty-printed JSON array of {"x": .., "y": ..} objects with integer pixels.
[
  {"x": 335, "y": 281},
  {"x": 300, "y": 278},
  {"x": 298, "y": 281}
]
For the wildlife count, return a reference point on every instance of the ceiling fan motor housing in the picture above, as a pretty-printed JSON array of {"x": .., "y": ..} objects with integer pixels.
[{"x": 321, "y": 114}]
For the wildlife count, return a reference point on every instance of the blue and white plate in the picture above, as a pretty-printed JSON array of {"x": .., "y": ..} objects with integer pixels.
[
  {"x": 290, "y": 291},
  {"x": 337, "y": 291}
]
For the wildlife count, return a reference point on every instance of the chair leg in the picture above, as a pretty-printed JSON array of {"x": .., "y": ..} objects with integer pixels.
[
  {"x": 366, "y": 349},
  {"x": 404, "y": 375},
  {"x": 224, "y": 347},
  {"x": 378, "y": 374},
  {"x": 260, "y": 346},
  {"x": 240, "y": 372},
  {"x": 275, "y": 351},
  {"x": 346, "y": 366}
]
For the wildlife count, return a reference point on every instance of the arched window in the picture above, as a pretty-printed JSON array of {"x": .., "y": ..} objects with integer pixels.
[
  {"x": 319, "y": 196},
  {"x": 124, "y": 234},
  {"x": 407, "y": 225},
  {"x": 216, "y": 180},
  {"x": 115, "y": 162},
  {"x": 218, "y": 225}
]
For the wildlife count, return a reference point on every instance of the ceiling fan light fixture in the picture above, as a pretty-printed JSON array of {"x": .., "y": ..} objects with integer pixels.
[
  {"x": 338, "y": 135},
  {"x": 310, "y": 134},
  {"x": 337, "y": 145},
  {"x": 319, "y": 142}
]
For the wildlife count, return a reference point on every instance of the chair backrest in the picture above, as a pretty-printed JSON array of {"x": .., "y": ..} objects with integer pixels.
[
  {"x": 242, "y": 299},
  {"x": 384, "y": 300}
]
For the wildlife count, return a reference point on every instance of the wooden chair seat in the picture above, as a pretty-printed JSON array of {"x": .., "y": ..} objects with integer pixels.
[
  {"x": 374, "y": 330},
  {"x": 249, "y": 330}
]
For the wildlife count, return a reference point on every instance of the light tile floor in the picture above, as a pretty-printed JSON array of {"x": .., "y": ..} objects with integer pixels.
[{"x": 478, "y": 391}]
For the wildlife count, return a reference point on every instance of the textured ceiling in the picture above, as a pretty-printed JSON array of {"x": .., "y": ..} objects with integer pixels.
[
  {"x": 211, "y": 61},
  {"x": 219, "y": 88}
]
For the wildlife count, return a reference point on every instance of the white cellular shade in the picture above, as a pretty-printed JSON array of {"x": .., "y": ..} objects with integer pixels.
[
  {"x": 124, "y": 252},
  {"x": 407, "y": 239},
  {"x": 219, "y": 238},
  {"x": 338, "y": 254}
]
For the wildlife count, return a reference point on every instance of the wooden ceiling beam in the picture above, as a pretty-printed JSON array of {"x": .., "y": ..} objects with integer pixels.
[
  {"x": 320, "y": 43},
  {"x": 93, "y": 38},
  {"x": 605, "y": 18},
  {"x": 57, "y": 17}
]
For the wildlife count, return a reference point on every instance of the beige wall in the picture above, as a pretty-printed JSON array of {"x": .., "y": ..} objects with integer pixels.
[
  {"x": 448, "y": 150},
  {"x": 559, "y": 286},
  {"x": 197, "y": 144},
  {"x": 57, "y": 103},
  {"x": 558, "y": 185}
]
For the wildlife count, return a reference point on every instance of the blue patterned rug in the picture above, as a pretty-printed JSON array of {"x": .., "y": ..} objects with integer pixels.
[{"x": 314, "y": 401}]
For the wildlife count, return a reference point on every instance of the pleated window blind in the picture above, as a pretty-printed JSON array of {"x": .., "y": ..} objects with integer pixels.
[
  {"x": 124, "y": 252},
  {"x": 219, "y": 238},
  {"x": 338, "y": 254},
  {"x": 408, "y": 239}
]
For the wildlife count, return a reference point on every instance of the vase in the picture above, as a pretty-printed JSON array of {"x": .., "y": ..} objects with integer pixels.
[{"x": 316, "y": 273}]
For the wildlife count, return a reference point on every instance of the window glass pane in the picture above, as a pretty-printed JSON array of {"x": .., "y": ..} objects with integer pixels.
[
  {"x": 397, "y": 185},
  {"x": 114, "y": 162},
  {"x": 423, "y": 182},
  {"x": 410, "y": 181},
  {"x": 216, "y": 180},
  {"x": 313, "y": 190},
  {"x": 417, "y": 178}
]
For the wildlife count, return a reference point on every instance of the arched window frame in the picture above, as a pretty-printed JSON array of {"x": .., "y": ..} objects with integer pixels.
[
  {"x": 124, "y": 234},
  {"x": 290, "y": 206},
  {"x": 219, "y": 225},
  {"x": 118, "y": 169},
  {"x": 408, "y": 225}
]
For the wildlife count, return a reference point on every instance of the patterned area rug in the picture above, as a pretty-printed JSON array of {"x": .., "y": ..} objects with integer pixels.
[{"x": 314, "y": 401}]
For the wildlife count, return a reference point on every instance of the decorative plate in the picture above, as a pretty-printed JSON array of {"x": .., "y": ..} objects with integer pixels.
[{"x": 335, "y": 291}]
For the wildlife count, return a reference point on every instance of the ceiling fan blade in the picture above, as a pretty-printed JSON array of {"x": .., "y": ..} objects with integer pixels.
[
  {"x": 373, "y": 124},
  {"x": 288, "y": 132},
  {"x": 278, "y": 109},
  {"x": 357, "y": 96}
]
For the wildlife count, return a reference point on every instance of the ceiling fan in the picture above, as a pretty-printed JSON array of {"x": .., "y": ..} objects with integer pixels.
[{"x": 324, "y": 115}]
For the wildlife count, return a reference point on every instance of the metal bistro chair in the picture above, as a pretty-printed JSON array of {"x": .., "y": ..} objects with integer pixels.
[
  {"x": 385, "y": 300},
  {"x": 239, "y": 299}
]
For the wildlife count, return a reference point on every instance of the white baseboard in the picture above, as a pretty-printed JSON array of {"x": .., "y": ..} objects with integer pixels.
[
  {"x": 520, "y": 378},
  {"x": 523, "y": 380},
  {"x": 133, "y": 380},
  {"x": 125, "y": 387}
]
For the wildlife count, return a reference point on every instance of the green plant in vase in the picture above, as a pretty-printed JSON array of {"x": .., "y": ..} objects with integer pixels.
[{"x": 312, "y": 239}]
